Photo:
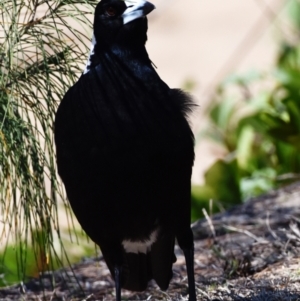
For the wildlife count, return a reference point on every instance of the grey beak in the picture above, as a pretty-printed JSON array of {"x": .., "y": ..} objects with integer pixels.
[{"x": 136, "y": 9}]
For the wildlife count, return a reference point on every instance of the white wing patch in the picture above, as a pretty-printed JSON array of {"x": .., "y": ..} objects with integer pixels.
[
  {"x": 92, "y": 52},
  {"x": 140, "y": 246}
]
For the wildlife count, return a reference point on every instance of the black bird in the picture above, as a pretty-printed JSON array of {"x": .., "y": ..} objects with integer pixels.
[{"x": 125, "y": 153}]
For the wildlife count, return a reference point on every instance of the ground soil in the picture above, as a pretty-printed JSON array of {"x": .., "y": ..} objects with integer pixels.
[{"x": 250, "y": 252}]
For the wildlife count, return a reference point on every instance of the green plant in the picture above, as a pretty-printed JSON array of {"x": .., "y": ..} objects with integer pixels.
[
  {"x": 255, "y": 118},
  {"x": 40, "y": 57}
]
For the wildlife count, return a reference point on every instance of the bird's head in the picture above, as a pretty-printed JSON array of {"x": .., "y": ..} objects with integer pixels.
[{"x": 121, "y": 22}]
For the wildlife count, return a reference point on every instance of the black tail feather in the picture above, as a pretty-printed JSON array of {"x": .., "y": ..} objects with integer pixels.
[
  {"x": 162, "y": 258},
  {"x": 139, "y": 268},
  {"x": 137, "y": 271}
]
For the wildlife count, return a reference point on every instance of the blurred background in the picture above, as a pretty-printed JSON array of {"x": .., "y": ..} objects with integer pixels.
[
  {"x": 196, "y": 44},
  {"x": 240, "y": 60}
]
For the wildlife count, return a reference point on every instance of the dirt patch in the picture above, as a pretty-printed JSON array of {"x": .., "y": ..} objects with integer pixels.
[{"x": 250, "y": 252}]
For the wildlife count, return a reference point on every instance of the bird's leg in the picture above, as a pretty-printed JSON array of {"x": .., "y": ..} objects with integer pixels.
[
  {"x": 115, "y": 250},
  {"x": 118, "y": 271},
  {"x": 189, "y": 260}
]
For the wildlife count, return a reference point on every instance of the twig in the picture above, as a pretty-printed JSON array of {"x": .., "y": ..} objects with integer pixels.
[
  {"x": 269, "y": 227},
  {"x": 246, "y": 232},
  {"x": 88, "y": 297},
  {"x": 210, "y": 224}
]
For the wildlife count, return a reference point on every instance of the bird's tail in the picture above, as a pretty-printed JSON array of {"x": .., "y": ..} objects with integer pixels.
[
  {"x": 140, "y": 268},
  {"x": 162, "y": 258}
]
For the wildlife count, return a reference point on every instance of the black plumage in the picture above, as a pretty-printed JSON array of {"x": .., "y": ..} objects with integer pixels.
[{"x": 125, "y": 153}]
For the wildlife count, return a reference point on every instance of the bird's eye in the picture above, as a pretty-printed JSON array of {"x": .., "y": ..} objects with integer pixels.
[{"x": 110, "y": 11}]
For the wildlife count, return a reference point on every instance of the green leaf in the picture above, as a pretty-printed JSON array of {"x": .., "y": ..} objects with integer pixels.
[{"x": 223, "y": 179}]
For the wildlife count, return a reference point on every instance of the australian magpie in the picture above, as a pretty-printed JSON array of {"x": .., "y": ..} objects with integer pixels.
[{"x": 125, "y": 153}]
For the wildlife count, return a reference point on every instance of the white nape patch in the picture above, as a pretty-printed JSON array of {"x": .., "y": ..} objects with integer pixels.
[
  {"x": 134, "y": 10},
  {"x": 88, "y": 63},
  {"x": 140, "y": 246}
]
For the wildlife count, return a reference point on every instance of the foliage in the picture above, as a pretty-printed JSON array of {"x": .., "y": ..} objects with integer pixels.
[
  {"x": 40, "y": 57},
  {"x": 36, "y": 259},
  {"x": 255, "y": 118}
]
